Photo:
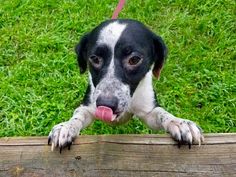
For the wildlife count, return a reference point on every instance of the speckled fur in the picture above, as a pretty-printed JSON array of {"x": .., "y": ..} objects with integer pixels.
[{"x": 140, "y": 101}]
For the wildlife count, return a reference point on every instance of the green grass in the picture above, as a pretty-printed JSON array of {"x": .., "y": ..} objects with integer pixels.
[{"x": 40, "y": 84}]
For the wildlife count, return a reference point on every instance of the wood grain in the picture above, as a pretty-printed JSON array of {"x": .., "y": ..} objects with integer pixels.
[{"x": 119, "y": 156}]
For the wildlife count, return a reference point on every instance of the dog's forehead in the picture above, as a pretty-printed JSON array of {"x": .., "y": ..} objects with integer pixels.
[
  {"x": 123, "y": 32},
  {"x": 111, "y": 33}
]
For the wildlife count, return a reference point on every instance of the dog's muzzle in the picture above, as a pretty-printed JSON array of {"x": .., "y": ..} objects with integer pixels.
[{"x": 106, "y": 108}]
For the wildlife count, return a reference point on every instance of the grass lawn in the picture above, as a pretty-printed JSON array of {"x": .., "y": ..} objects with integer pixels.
[{"x": 40, "y": 84}]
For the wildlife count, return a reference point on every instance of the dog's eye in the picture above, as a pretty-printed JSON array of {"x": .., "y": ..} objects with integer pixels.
[
  {"x": 134, "y": 60},
  {"x": 96, "y": 61}
]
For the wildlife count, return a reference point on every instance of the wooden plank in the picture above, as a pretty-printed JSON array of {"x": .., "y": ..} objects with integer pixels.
[{"x": 119, "y": 156}]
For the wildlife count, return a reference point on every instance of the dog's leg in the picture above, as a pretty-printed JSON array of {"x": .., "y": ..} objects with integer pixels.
[
  {"x": 63, "y": 134},
  {"x": 182, "y": 130}
]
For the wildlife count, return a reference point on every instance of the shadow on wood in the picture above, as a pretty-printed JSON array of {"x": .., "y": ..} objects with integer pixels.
[{"x": 119, "y": 155}]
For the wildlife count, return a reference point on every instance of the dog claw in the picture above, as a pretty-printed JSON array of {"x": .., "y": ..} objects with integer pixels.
[
  {"x": 179, "y": 144},
  {"x": 52, "y": 146},
  {"x": 49, "y": 140},
  {"x": 69, "y": 146}
]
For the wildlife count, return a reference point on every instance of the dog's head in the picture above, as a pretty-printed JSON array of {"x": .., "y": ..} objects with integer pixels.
[{"x": 118, "y": 53}]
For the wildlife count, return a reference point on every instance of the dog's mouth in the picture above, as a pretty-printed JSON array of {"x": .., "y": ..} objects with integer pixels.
[{"x": 105, "y": 114}]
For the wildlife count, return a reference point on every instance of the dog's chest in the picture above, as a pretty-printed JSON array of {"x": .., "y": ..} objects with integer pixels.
[{"x": 143, "y": 98}]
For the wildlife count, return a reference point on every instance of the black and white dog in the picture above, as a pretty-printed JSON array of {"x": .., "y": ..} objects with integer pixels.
[{"x": 121, "y": 56}]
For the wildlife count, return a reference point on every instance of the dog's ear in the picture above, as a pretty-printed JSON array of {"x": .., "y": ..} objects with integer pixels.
[
  {"x": 81, "y": 51},
  {"x": 160, "y": 53}
]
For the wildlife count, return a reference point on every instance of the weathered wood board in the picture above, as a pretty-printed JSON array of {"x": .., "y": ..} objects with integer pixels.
[{"x": 119, "y": 156}]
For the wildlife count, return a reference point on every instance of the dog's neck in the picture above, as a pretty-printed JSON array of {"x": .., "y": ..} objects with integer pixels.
[{"x": 143, "y": 99}]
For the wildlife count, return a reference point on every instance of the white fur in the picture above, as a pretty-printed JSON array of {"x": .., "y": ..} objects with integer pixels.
[
  {"x": 109, "y": 35},
  {"x": 65, "y": 132},
  {"x": 180, "y": 129},
  {"x": 143, "y": 98},
  {"x": 92, "y": 88}
]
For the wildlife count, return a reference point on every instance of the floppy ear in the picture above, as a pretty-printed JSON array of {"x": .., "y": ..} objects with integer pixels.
[
  {"x": 160, "y": 53},
  {"x": 81, "y": 51}
]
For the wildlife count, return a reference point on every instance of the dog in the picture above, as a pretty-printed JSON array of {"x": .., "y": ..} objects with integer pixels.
[{"x": 121, "y": 56}]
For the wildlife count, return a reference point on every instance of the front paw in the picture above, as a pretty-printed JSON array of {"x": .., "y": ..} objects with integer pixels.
[
  {"x": 62, "y": 135},
  {"x": 185, "y": 132}
]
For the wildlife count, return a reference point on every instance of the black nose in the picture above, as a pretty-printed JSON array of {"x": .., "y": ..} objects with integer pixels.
[{"x": 108, "y": 101}]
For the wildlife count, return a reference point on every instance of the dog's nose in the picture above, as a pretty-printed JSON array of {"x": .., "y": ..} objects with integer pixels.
[{"x": 108, "y": 101}]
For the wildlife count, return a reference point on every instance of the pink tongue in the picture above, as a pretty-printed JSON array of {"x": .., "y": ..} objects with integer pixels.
[{"x": 104, "y": 113}]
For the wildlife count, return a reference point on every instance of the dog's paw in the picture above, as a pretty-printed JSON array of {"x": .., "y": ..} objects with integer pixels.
[
  {"x": 185, "y": 132},
  {"x": 61, "y": 136}
]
